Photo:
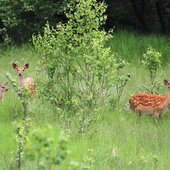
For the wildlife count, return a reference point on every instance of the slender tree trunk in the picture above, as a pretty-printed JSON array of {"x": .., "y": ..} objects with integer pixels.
[
  {"x": 1, "y": 26},
  {"x": 160, "y": 16},
  {"x": 139, "y": 15}
]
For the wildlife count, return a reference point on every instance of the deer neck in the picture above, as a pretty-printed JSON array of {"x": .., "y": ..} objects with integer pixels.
[
  {"x": 1, "y": 94},
  {"x": 167, "y": 101},
  {"x": 21, "y": 78}
]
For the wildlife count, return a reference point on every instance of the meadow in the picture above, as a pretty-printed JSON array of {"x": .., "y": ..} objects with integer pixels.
[{"x": 116, "y": 139}]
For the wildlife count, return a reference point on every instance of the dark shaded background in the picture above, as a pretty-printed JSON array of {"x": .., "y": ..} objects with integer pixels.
[
  {"x": 21, "y": 18},
  {"x": 143, "y": 15}
]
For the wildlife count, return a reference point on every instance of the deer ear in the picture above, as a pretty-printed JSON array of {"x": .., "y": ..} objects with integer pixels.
[
  {"x": 14, "y": 65},
  {"x": 26, "y": 65},
  {"x": 166, "y": 82}
]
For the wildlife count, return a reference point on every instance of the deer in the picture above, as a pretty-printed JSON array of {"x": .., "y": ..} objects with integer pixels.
[
  {"x": 25, "y": 81},
  {"x": 3, "y": 88},
  {"x": 151, "y": 104}
]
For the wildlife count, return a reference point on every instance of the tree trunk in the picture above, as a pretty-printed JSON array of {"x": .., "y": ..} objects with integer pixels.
[
  {"x": 160, "y": 16},
  {"x": 139, "y": 15},
  {"x": 1, "y": 27}
]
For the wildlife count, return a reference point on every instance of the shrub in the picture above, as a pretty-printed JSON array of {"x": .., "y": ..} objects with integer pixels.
[
  {"x": 46, "y": 151},
  {"x": 22, "y": 126},
  {"x": 49, "y": 152},
  {"x": 152, "y": 62},
  {"x": 121, "y": 79},
  {"x": 79, "y": 67},
  {"x": 22, "y": 18}
]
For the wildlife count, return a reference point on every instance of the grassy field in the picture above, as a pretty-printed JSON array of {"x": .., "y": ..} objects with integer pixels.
[{"x": 119, "y": 142}]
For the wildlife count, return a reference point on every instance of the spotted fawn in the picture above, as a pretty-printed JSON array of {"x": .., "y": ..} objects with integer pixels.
[
  {"x": 24, "y": 81},
  {"x": 151, "y": 103}
]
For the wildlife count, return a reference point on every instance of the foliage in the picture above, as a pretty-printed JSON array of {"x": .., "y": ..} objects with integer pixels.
[
  {"x": 22, "y": 127},
  {"x": 22, "y": 18},
  {"x": 50, "y": 152},
  {"x": 79, "y": 67},
  {"x": 22, "y": 131},
  {"x": 19, "y": 19},
  {"x": 152, "y": 62},
  {"x": 121, "y": 80},
  {"x": 45, "y": 150}
]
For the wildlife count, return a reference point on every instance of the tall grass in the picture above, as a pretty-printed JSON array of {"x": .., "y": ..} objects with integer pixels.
[
  {"x": 119, "y": 142},
  {"x": 132, "y": 45}
]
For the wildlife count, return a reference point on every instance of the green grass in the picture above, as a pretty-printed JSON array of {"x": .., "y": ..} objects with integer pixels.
[
  {"x": 137, "y": 146},
  {"x": 131, "y": 45}
]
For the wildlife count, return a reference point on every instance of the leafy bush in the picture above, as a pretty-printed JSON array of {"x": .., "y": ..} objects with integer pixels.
[
  {"x": 49, "y": 152},
  {"x": 152, "y": 62},
  {"x": 22, "y": 126},
  {"x": 121, "y": 79},
  {"x": 79, "y": 67},
  {"x": 40, "y": 149},
  {"x": 22, "y": 18}
]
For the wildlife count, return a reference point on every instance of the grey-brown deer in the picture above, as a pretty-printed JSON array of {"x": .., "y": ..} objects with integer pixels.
[
  {"x": 3, "y": 88},
  {"x": 151, "y": 103},
  {"x": 25, "y": 81}
]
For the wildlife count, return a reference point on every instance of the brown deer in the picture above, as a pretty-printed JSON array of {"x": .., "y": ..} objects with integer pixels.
[
  {"x": 150, "y": 103},
  {"x": 24, "y": 81},
  {"x": 3, "y": 88}
]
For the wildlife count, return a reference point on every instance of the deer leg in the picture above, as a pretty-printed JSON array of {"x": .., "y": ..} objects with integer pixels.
[
  {"x": 160, "y": 114},
  {"x": 156, "y": 116},
  {"x": 138, "y": 113}
]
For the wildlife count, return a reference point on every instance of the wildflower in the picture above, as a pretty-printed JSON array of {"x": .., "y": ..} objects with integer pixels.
[{"x": 114, "y": 152}]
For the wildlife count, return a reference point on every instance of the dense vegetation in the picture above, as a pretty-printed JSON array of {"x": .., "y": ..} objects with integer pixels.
[
  {"x": 134, "y": 145},
  {"x": 79, "y": 117},
  {"x": 19, "y": 19}
]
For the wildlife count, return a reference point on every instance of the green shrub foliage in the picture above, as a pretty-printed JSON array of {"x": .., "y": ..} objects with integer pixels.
[
  {"x": 22, "y": 18},
  {"x": 121, "y": 79},
  {"x": 22, "y": 126},
  {"x": 152, "y": 62},
  {"x": 45, "y": 150},
  {"x": 79, "y": 67}
]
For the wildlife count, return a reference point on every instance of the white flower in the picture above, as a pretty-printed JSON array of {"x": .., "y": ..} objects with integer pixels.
[
  {"x": 130, "y": 163},
  {"x": 114, "y": 152}
]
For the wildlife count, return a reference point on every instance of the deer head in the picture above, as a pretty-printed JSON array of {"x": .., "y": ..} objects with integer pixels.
[
  {"x": 3, "y": 87},
  {"x": 167, "y": 83},
  {"x": 20, "y": 70}
]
